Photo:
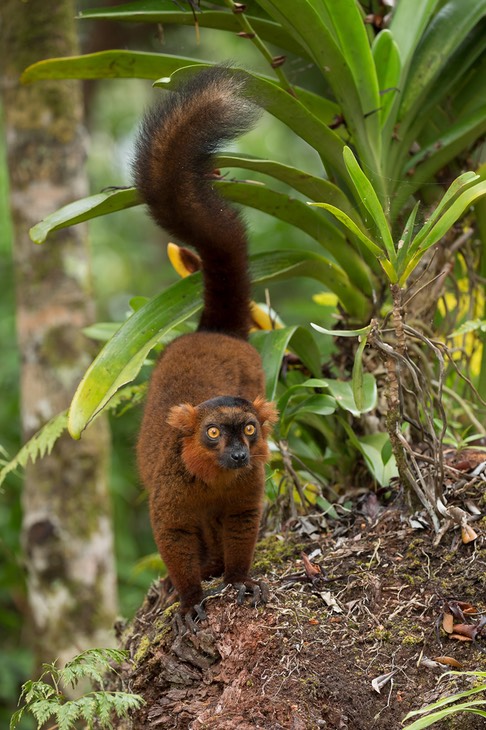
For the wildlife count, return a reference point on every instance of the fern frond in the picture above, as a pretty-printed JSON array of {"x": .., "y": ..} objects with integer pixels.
[
  {"x": 42, "y": 442},
  {"x": 92, "y": 663},
  {"x": 44, "y": 702},
  {"x": 38, "y": 446},
  {"x": 126, "y": 398}
]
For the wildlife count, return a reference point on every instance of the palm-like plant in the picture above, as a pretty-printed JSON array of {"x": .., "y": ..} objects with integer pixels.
[{"x": 401, "y": 105}]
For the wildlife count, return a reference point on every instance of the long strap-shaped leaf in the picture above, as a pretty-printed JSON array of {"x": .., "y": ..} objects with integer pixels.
[
  {"x": 83, "y": 210},
  {"x": 314, "y": 188},
  {"x": 353, "y": 42},
  {"x": 106, "y": 65},
  {"x": 122, "y": 357},
  {"x": 444, "y": 223},
  {"x": 386, "y": 57},
  {"x": 167, "y": 13},
  {"x": 308, "y": 26},
  {"x": 297, "y": 213},
  {"x": 445, "y": 33},
  {"x": 409, "y": 20},
  {"x": 369, "y": 200},
  {"x": 435, "y": 156},
  {"x": 272, "y": 346}
]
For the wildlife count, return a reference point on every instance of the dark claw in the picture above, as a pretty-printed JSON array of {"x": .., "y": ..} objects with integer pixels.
[
  {"x": 257, "y": 596},
  {"x": 240, "y": 598},
  {"x": 259, "y": 589},
  {"x": 178, "y": 625},
  {"x": 200, "y": 612},
  {"x": 190, "y": 621},
  {"x": 265, "y": 591}
]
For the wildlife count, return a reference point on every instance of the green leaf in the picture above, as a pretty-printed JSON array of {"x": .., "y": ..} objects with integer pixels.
[
  {"x": 313, "y": 187},
  {"x": 459, "y": 184},
  {"x": 441, "y": 714},
  {"x": 282, "y": 264},
  {"x": 67, "y": 714},
  {"x": 106, "y": 65},
  {"x": 83, "y": 210},
  {"x": 305, "y": 347},
  {"x": 351, "y": 226},
  {"x": 386, "y": 57},
  {"x": 311, "y": 29},
  {"x": 122, "y": 357},
  {"x": 16, "y": 718},
  {"x": 343, "y": 333},
  {"x": 406, "y": 238},
  {"x": 166, "y": 12},
  {"x": 473, "y": 325},
  {"x": 43, "y": 710},
  {"x": 445, "y": 223},
  {"x": 445, "y": 33},
  {"x": 439, "y": 153},
  {"x": 357, "y": 376},
  {"x": 449, "y": 699},
  {"x": 447, "y": 97},
  {"x": 409, "y": 20},
  {"x": 321, "y": 405},
  {"x": 293, "y": 390},
  {"x": 368, "y": 198},
  {"x": 272, "y": 345},
  {"x": 353, "y": 41},
  {"x": 373, "y": 447},
  {"x": 343, "y": 393},
  {"x": 299, "y": 214}
]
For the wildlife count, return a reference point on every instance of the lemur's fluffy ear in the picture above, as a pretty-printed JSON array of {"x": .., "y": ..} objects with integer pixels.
[
  {"x": 267, "y": 414},
  {"x": 183, "y": 417}
]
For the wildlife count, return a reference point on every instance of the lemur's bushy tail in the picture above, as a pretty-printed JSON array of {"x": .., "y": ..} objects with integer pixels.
[{"x": 173, "y": 165}]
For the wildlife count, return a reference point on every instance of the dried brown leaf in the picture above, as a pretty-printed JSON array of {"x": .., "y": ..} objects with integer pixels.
[
  {"x": 448, "y": 622},
  {"x": 467, "y": 608},
  {"x": 449, "y": 660},
  {"x": 311, "y": 569},
  {"x": 468, "y": 534}
]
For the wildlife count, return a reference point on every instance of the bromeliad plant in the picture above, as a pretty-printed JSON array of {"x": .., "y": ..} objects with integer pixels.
[{"x": 400, "y": 106}]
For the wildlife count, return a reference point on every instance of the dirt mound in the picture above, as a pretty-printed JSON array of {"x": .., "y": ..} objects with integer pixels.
[{"x": 346, "y": 640}]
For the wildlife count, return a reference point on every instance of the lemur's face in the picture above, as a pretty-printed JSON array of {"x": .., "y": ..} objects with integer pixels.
[{"x": 223, "y": 435}]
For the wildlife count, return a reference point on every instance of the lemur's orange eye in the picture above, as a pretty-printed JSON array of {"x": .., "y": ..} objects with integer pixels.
[
  {"x": 250, "y": 429},
  {"x": 213, "y": 432}
]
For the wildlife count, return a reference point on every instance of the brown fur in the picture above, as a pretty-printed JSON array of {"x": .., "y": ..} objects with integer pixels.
[{"x": 205, "y": 493}]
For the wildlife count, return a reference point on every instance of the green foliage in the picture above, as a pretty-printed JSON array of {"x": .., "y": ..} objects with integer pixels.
[
  {"x": 439, "y": 710},
  {"x": 43, "y": 441},
  {"x": 38, "y": 446},
  {"x": 380, "y": 85},
  {"x": 410, "y": 102},
  {"x": 46, "y": 699}
]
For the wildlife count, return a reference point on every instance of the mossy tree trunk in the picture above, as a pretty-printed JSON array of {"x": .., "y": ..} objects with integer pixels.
[{"x": 67, "y": 529}]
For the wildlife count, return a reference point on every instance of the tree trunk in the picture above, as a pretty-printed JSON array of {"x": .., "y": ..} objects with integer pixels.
[{"x": 67, "y": 530}]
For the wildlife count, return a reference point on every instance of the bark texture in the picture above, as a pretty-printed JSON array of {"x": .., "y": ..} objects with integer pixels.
[{"x": 67, "y": 528}]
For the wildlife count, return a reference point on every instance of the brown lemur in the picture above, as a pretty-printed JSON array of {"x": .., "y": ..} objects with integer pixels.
[{"x": 202, "y": 444}]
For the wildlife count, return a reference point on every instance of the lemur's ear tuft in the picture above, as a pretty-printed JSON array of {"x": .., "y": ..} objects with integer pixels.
[
  {"x": 183, "y": 417},
  {"x": 266, "y": 412}
]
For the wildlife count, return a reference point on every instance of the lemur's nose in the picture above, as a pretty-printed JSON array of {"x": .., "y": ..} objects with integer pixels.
[{"x": 240, "y": 458}]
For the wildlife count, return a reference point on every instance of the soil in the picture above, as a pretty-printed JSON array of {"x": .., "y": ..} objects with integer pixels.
[{"x": 351, "y": 639}]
